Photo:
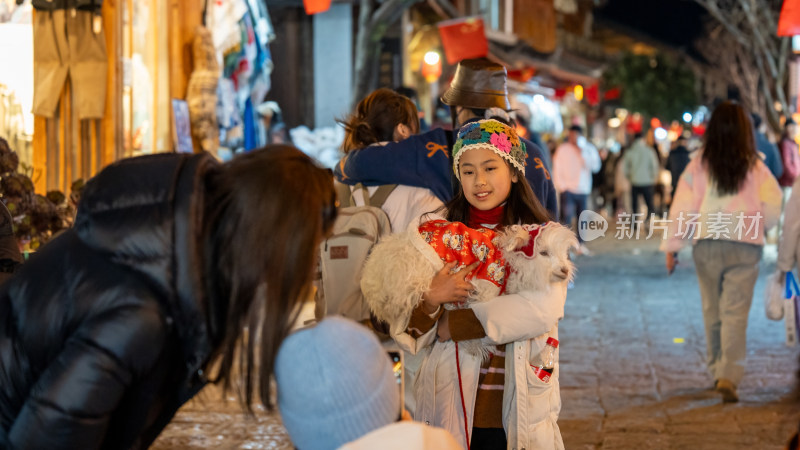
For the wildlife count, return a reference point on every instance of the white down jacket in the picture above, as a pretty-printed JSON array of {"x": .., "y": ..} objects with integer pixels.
[{"x": 530, "y": 407}]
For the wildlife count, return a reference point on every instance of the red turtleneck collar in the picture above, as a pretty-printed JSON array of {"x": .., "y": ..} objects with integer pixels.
[{"x": 477, "y": 218}]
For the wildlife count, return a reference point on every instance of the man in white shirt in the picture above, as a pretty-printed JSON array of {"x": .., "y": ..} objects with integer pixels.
[{"x": 573, "y": 166}]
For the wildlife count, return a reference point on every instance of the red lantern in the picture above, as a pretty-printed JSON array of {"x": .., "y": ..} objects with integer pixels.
[
  {"x": 634, "y": 124},
  {"x": 431, "y": 67},
  {"x": 612, "y": 94},
  {"x": 463, "y": 38},
  {"x": 655, "y": 123},
  {"x": 789, "y": 22},
  {"x": 593, "y": 94},
  {"x": 522, "y": 75}
]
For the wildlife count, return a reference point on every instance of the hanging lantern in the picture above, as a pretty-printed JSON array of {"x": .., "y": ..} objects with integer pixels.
[
  {"x": 577, "y": 91},
  {"x": 431, "y": 66}
]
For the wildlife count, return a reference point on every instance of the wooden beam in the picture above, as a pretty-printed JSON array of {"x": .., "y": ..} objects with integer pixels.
[{"x": 110, "y": 141}]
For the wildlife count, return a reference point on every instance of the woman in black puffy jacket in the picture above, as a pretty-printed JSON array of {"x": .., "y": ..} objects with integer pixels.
[{"x": 108, "y": 329}]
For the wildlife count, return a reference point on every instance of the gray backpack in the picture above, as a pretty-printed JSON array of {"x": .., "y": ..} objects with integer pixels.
[{"x": 342, "y": 255}]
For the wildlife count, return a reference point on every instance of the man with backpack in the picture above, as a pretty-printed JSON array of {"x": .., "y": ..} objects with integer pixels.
[{"x": 424, "y": 160}]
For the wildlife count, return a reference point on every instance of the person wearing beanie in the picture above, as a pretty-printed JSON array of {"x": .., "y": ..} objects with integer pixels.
[{"x": 336, "y": 389}]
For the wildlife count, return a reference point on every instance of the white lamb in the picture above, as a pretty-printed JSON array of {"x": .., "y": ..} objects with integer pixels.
[{"x": 401, "y": 267}]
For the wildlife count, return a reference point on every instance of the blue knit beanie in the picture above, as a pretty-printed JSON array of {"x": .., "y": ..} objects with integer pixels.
[{"x": 335, "y": 384}]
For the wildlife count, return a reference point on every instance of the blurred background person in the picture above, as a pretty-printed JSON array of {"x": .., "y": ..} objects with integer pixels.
[
  {"x": 767, "y": 150},
  {"x": 791, "y": 161},
  {"x": 677, "y": 160},
  {"x": 641, "y": 167},
  {"x": 573, "y": 166}
]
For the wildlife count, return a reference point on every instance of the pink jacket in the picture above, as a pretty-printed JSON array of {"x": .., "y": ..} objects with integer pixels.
[
  {"x": 698, "y": 212},
  {"x": 791, "y": 161}
]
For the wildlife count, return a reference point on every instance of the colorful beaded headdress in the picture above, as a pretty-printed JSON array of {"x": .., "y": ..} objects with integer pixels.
[{"x": 492, "y": 135}]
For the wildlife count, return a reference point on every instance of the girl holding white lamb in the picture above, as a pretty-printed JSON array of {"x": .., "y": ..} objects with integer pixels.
[{"x": 493, "y": 402}]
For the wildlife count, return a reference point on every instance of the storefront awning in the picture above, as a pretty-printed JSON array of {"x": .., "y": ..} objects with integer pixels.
[{"x": 558, "y": 69}]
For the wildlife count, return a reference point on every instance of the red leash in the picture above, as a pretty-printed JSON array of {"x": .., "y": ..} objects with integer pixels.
[{"x": 461, "y": 391}]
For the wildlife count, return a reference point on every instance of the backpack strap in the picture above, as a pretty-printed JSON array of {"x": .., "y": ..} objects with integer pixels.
[
  {"x": 377, "y": 199},
  {"x": 344, "y": 194},
  {"x": 380, "y": 195}
]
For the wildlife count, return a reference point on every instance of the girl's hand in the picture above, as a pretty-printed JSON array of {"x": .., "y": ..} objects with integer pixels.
[
  {"x": 443, "y": 328},
  {"x": 447, "y": 288}
]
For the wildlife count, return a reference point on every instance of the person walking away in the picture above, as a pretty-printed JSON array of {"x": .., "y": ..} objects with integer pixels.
[
  {"x": 737, "y": 199},
  {"x": 337, "y": 390},
  {"x": 767, "y": 150},
  {"x": 114, "y": 324},
  {"x": 677, "y": 160},
  {"x": 622, "y": 187},
  {"x": 791, "y": 162},
  {"x": 573, "y": 166},
  {"x": 381, "y": 117},
  {"x": 489, "y": 164},
  {"x": 641, "y": 167},
  {"x": 424, "y": 160}
]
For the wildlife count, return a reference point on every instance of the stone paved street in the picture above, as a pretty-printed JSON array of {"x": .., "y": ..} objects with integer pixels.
[
  {"x": 632, "y": 371},
  {"x": 629, "y": 382}
]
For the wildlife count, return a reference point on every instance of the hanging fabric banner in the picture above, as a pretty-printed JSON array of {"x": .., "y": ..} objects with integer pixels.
[
  {"x": 789, "y": 22},
  {"x": 463, "y": 38},
  {"x": 316, "y": 6}
]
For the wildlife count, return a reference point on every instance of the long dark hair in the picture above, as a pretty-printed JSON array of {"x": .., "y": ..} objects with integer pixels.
[
  {"x": 376, "y": 117},
  {"x": 266, "y": 213},
  {"x": 730, "y": 147},
  {"x": 522, "y": 206}
]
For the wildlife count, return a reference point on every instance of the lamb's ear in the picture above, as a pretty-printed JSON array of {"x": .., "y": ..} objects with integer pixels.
[
  {"x": 570, "y": 237},
  {"x": 512, "y": 238}
]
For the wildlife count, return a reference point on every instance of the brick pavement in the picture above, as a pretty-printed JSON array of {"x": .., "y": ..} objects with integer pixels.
[{"x": 625, "y": 382}]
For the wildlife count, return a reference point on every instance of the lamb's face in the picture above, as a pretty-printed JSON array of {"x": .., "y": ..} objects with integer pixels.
[
  {"x": 553, "y": 248},
  {"x": 545, "y": 262}
]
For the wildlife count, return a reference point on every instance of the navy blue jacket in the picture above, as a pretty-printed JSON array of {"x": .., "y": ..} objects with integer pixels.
[
  {"x": 423, "y": 161},
  {"x": 677, "y": 160},
  {"x": 772, "y": 158}
]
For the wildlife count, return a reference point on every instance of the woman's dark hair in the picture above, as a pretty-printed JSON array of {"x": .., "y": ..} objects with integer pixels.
[
  {"x": 266, "y": 213},
  {"x": 522, "y": 206},
  {"x": 376, "y": 118},
  {"x": 729, "y": 151}
]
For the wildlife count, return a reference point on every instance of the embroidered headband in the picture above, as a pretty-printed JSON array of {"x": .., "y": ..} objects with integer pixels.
[{"x": 492, "y": 135}]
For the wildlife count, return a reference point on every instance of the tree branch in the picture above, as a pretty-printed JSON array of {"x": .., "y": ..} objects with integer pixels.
[
  {"x": 444, "y": 9},
  {"x": 712, "y": 7},
  {"x": 389, "y": 12},
  {"x": 759, "y": 38}
]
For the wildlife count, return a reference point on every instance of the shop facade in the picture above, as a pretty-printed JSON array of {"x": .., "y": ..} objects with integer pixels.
[{"x": 157, "y": 73}]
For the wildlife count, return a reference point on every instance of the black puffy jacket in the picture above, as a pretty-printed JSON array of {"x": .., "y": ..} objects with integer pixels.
[{"x": 103, "y": 333}]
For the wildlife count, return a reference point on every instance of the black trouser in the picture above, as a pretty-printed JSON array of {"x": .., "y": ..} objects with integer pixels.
[
  {"x": 488, "y": 439},
  {"x": 647, "y": 193}
]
